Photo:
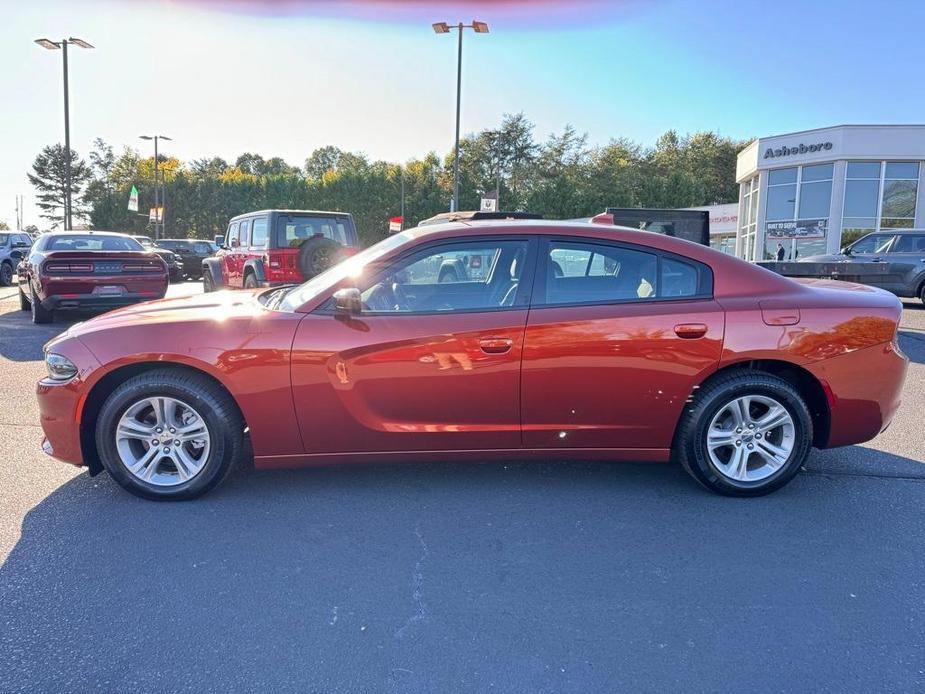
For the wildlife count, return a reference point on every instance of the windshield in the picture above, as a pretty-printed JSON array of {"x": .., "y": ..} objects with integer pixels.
[
  {"x": 86, "y": 242},
  {"x": 352, "y": 267}
]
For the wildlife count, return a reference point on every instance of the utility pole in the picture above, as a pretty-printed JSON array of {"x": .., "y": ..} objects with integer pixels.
[{"x": 158, "y": 213}]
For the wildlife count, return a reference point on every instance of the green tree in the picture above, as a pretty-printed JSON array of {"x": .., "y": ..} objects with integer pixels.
[{"x": 49, "y": 177}]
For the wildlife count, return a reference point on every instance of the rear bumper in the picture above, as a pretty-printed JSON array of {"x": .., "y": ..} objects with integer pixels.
[
  {"x": 79, "y": 302},
  {"x": 864, "y": 390}
]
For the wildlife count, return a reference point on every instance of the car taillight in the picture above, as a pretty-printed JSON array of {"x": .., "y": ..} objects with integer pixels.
[
  {"x": 273, "y": 260},
  {"x": 68, "y": 267},
  {"x": 137, "y": 267}
]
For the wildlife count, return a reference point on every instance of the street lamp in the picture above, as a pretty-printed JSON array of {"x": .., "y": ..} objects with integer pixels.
[
  {"x": 444, "y": 28},
  {"x": 159, "y": 218},
  {"x": 62, "y": 46}
]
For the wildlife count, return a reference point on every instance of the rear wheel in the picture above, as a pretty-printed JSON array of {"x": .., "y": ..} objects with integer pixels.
[
  {"x": 40, "y": 314},
  {"x": 168, "y": 435},
  {"x": 746, "y": 434},
  {"x": 6, "y": 274},
  {"x": 250, "y": 281}
]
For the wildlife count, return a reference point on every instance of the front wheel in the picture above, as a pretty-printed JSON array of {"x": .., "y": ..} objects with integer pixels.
[
  {"x": 207, "y": 284},
  {"x": 6, "y": 274},
  {"x": 24, "y": 304},
  {"x": 169, "y": 435},
  {"x": 745, "y": 434}
]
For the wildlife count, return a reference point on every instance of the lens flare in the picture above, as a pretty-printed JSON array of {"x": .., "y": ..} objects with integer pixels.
[{"x": 519, "y": 14}]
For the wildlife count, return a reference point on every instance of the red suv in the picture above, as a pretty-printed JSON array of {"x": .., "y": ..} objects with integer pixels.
[{"x": 275, "y": 247}]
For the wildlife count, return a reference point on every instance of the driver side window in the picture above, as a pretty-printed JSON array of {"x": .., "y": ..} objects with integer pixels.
[{"x": 470, "y": 276}]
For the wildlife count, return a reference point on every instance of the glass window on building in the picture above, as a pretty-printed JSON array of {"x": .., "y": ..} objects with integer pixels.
[
  {"x": 878, "y": 195},
  {"x": 748, "y": 217},
  {"x": 797, "y": 213}
]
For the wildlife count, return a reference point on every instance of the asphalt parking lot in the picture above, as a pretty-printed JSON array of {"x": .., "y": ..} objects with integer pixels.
[{"x": 540, "y": 577}]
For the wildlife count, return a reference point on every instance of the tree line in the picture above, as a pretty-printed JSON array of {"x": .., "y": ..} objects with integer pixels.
[{"x": 562, "y": 177}]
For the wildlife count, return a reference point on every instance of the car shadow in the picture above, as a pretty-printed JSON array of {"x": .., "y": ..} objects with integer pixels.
[
  {"x": 22, "y": 340},
  {"x": 419, "y": 577},
  {"x": 912, "y": 343}
]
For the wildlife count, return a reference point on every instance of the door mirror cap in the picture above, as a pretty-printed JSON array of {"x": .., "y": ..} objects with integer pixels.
[
  {"x": 219, "y": 240},
  {"x": 347, "y": 300}
]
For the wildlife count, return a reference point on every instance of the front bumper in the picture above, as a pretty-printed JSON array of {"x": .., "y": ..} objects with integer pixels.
[{"x": 61, "y": 404}]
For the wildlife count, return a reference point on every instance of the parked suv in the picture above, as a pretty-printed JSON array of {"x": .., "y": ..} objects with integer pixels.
[
  {"x": 191, "y": 253},
  {"x": 174, "y": 268},
  {"x": 275, "y": 247},
  {"x": 892, "y": 259},
  {"x": 13, "y": 246}
]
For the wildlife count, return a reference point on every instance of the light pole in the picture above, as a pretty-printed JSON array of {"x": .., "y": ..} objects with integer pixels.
[
  {"x": 62, "y": 46},
  {"x": 444, "y": 28},
  {"x": 159, "y": 216}
]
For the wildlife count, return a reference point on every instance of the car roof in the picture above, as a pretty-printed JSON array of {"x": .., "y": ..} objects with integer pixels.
[
  {"x": 314, "y": 212},
  {"x": 88, "y": 232}
]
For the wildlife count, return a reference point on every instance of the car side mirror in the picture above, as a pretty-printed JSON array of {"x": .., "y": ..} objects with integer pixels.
[
  {"x": 347, "y": 300},
  {"x": 219, "y": 240},
  {"x": 846, "y": 250}
]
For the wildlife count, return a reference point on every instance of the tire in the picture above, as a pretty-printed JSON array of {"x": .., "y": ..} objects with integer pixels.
[
  {"x": 922, "y": 293},
  {"x": 318, "y": 254},
  {"x": 6, "y": 274},
  {"x": 715, "y": 408},
  {"x": 40, "y": 314},
  {"x": 24, "y": 303},
  {"x": 219, "y": 449},
  {"x": 250, "y": 281},
  {"x": 207, "y": 284}
]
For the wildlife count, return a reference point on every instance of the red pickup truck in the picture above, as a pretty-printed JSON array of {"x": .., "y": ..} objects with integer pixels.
[{"x": 275, "y": 247}]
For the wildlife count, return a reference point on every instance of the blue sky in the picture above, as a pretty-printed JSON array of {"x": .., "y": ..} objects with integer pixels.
[{"x": 223, "y": 78}]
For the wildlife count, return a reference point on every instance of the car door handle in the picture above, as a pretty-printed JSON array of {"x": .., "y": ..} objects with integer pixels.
[
  {"x": 876, "y": 260},
  {"x": 690, "y": 331},
  {"x": 496, "y": 345}
]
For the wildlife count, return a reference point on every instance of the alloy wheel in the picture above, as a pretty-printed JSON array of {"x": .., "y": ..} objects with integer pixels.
[
  {"x": 163, "y": 441},
  {"x": 750, "y": 438}
]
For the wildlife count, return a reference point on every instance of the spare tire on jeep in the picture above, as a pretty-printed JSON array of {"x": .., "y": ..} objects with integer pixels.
[{"x": 318, "y": 254}]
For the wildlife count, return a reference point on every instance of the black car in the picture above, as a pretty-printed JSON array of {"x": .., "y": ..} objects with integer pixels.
[
  {"x": 892, "y": 259},
  {"x": 191, "y": 253},
  {"x": 174, "y": 266}
]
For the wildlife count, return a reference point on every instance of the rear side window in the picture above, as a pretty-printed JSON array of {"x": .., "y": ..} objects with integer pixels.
[
  {"x": 259, "y": 233},
  {"x": 592, "y": 273},
  {"x": 579, "y": 273},
  {"x": 292, "y": 232},
  {"x": 245, "y": 233},
  {"x": 909, "y": 243}
]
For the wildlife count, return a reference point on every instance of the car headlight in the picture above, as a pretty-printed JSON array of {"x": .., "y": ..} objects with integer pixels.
[{"x": 60, "y": 368}]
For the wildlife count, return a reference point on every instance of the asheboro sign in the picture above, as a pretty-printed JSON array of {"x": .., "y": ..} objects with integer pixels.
[{"x": 774, "y": 152}]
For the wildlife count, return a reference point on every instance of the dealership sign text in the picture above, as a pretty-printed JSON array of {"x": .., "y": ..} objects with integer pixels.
[{"x": 771, "y": 152}]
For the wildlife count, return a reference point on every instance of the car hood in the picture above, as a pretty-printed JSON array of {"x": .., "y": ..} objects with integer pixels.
[{"x": 217, "y": 307}]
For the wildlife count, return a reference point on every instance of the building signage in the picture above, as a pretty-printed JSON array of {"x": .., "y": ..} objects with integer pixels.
[
  {"x": 800, "y": 229},
  {"x": 774, "y": 152}
]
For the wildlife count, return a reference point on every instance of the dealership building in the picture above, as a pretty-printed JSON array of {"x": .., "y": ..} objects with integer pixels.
[{"x": 812, "y": 192}]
